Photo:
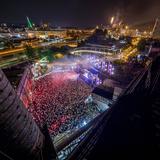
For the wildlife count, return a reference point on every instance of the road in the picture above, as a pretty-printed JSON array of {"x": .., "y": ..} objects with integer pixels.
[
  {"x": 11, "y": 51},
  {"x": 131, "y": 50},
  {"x": 44, "y": 44},
  {"x": 6, "y": 58},
  {"x": 128, "y": 53}
]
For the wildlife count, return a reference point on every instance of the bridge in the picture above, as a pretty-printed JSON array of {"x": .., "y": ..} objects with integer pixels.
[{"x": 95, "y": 50}]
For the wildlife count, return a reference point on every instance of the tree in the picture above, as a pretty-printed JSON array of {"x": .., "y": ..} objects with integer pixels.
[
  {"x": 141, "y": 45},
  {"x": 8, "y": 44},
  {"x": 29, "y": 52},
  {"x": 48, "y": 54}
]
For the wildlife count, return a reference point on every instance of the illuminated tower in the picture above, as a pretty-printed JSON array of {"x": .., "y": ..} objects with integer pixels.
[
  {"x": 29, "y": 23},
  {"x": 20, "y": 137}
]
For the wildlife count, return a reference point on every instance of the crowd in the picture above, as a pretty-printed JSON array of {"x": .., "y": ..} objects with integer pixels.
[{"x": 58, "y": 99}]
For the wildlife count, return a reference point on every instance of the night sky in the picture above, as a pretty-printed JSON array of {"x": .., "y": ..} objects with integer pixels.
[{"x": 78, "y": 12}]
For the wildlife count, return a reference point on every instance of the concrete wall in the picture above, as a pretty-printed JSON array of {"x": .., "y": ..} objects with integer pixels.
[{"x": 20, "y": 137}]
